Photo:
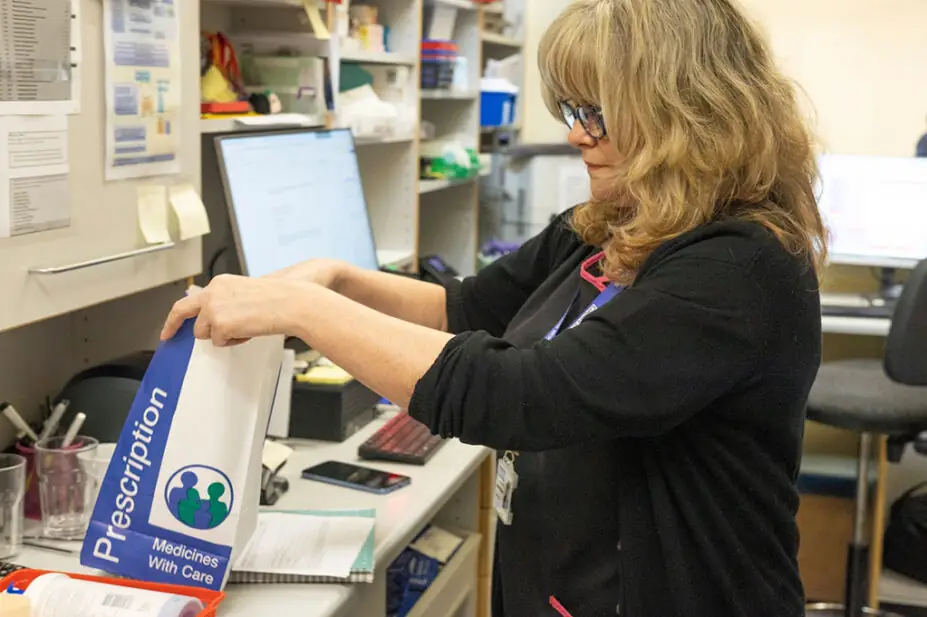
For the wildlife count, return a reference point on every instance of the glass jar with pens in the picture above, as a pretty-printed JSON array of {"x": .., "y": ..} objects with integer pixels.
[{"x": 25, "y": 447}]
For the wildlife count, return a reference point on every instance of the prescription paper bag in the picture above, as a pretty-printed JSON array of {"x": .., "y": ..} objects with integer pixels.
[{"x": 180, "y": 497}]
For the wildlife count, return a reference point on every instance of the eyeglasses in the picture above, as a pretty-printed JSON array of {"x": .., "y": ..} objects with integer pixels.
[{"x": 589, "y": 116}]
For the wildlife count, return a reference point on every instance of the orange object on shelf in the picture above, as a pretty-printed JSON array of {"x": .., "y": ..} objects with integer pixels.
[{"x": 21, "y": 579}]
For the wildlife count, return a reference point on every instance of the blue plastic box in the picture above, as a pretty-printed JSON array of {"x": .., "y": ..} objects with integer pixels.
[{"x": 497, "y": 108}]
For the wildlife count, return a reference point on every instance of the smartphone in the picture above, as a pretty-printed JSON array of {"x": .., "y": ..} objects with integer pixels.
[{"x": 357, "y": 477}]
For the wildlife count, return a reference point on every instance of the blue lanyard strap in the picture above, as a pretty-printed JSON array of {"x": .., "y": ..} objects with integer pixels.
[{"x": 604, "y": 296}]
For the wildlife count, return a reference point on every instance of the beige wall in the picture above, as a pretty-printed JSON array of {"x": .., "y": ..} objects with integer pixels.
[
  {"x": 863, "y": 63},
  {"x": 538, "y": 125}
]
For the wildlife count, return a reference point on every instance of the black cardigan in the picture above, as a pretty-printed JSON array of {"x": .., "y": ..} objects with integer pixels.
[{"x": 659, "y": 440}]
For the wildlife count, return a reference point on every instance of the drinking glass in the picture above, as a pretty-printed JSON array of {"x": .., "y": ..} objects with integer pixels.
[
  {"x": 66, "y": 491},
  {"x": 95, "y": 463},
  {"x": 12, "y": 492}
]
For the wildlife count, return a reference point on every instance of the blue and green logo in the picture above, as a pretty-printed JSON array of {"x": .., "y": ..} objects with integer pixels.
[{"x": 199, "y": 496}]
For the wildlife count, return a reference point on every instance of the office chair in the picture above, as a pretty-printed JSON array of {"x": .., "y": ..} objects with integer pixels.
[{"x": 876, "y": 397}]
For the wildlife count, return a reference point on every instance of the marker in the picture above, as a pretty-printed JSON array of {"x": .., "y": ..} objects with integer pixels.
[
  {"x": 17, "y": 420},
  {"x": 51, "y": 424},
  {"x": 76, "y": 423}
]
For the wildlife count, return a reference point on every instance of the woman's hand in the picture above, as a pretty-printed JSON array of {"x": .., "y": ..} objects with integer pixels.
[
  {"x": 324, "y": 272},
  {"x": 232, "y": 309}
]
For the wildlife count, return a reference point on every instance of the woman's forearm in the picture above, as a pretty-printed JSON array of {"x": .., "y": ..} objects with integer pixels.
[
  {"x": 405, "y": 298},
  {"x": 387, "y": 354}
]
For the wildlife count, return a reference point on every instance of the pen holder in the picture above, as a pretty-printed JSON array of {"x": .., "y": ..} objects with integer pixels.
[{"x": 32, "y": 505}]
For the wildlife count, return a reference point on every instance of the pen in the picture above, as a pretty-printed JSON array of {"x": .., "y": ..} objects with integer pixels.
[
  {"x": 17, "y": 420},
  {"x": 52, "y": 423},
  {"x": 71, "y": 433}
]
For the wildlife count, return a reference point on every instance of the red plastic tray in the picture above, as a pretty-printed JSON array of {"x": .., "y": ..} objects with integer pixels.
[{"x": 210, "y": 599}]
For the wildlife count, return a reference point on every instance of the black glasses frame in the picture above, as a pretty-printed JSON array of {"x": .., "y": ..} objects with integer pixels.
[{"x": 589, "y": 116}]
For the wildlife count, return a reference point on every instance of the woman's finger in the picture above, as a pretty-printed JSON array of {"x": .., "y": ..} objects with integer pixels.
[
  {"x": 182, "y": 310},
  {"x": 202, "y": 329}
]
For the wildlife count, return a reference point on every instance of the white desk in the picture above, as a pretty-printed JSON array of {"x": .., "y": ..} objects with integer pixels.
[
  {"x": 863, "y": 326},
  {"x": 445, "y": 490}
]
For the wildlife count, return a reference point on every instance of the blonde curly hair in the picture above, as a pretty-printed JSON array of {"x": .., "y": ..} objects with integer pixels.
[{"x": 706, "y": 125}]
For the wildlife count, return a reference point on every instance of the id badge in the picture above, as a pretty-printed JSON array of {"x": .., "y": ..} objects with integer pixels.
[{"x": 506, "y": 483}]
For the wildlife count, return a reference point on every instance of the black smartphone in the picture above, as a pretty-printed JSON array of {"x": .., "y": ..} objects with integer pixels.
[{"x": 357, "y": 477}]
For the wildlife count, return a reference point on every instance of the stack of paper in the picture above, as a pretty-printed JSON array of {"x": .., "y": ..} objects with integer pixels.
[{"x": 309, "y": 546}]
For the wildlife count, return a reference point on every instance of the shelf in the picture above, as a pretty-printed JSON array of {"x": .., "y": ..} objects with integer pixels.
[
  {"x": 307, "y": 43},
  {"x": 507, "y": 128},
  {"x": 467, "y": 5},
  {"x": 378, "y": 57},
  {"x": 491, "y": 38},
  {"x": 459, "y": 95},
  {"x": 257, "y": 123},
  {"x": 297, "y": 4},
  {"x": 395, "y": 258},
  {"x": 456, "y": 580},
  {"x": 431, "y": 185},
  {"x": 378, "y": 141},
  {"x": 494, "y": 9}
]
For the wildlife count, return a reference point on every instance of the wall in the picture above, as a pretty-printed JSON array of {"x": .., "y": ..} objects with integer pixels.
[
  {"x": 863, "y": 64},
  {"x": 538, "y": 125},
  {"x": 37, "y": 360}
]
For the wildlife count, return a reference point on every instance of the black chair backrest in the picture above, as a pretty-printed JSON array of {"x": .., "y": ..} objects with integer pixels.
[{"x": 906, "y": 348}]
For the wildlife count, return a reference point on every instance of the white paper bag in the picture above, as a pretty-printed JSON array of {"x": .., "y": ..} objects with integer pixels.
[{"x": 180, "y": 497}]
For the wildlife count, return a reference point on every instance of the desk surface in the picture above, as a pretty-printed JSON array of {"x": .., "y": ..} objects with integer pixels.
[
  {"x": 400, "y": 516},
  {"x": 863, "y": 326}
]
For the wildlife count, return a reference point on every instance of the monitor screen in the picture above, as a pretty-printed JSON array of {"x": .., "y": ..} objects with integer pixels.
[
  {"x": 293, "y": 196},
  {"x": 875, "y": 209}
]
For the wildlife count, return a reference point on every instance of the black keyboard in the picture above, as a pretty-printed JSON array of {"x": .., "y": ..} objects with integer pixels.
[
  {"x": 403, "y": 440},
  {"x": 883, "y": 311}
]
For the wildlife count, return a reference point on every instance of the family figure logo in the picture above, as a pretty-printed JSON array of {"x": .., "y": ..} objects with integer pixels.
[{"x": 199, "y": 496}]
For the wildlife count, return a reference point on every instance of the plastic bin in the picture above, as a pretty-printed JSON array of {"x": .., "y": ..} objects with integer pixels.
[
  {"x": 439, "y": 59},
  {"x": 303, "y": 100},
  {"x": 21, "y": 579},
  {"x": 497, "y": 108},
  {"x": 437, "y": 73},
  {"x": 277, "y": 71},
  {"x": 497, "y": 101}
]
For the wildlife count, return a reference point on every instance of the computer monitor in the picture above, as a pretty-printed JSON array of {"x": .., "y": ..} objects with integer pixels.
[
  {"x": 875, "y": 209},
  {"x": 295, "y": 195}
]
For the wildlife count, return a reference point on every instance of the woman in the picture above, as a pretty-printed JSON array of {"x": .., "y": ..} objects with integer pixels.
[{"x": 644, "y": 362}]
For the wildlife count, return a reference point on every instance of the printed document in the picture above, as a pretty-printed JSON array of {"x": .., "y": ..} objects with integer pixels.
[
  {"x": 305, "y": 544},
  {"x": 142, "y": 59},
  {"x": 39, "y": 53},
  {"x": 34, "y": 182}
]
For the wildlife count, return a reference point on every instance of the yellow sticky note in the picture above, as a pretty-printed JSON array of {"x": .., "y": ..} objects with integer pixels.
[
  {"x": 190, "y": 211},
  {"x": 325, "y": 375},
  {"x": 152, "y": 213},
  {"x": 315, "y": 19},
  {"x": 12, "y": 605}
]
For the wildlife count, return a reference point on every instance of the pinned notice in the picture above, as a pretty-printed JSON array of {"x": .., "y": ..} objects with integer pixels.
[
  {"x": 190, "y": 211},
  {"x": 152, "y": 213}
]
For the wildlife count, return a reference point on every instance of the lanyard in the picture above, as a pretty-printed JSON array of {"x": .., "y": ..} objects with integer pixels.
[{"x": 604, "y": 296}]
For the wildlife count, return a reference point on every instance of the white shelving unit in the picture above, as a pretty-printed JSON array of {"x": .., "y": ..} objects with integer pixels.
[
  {"x": 388, "y": 162},
  {"x": 449, "y": 209}
]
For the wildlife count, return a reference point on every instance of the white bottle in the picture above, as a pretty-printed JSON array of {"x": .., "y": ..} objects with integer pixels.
[{"x": 58, "y": 595}]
